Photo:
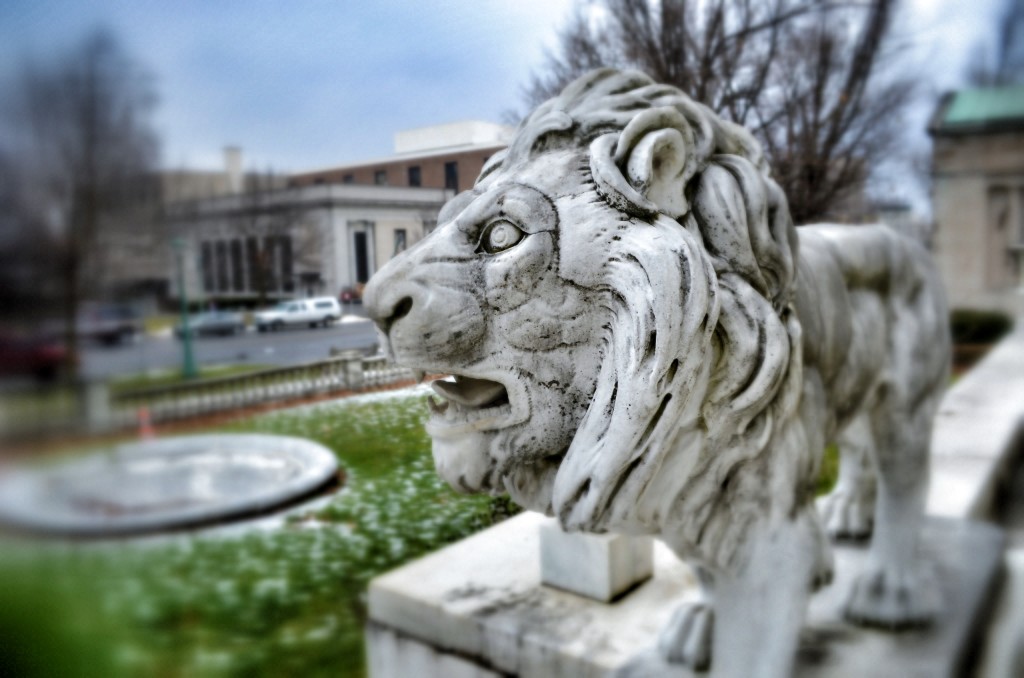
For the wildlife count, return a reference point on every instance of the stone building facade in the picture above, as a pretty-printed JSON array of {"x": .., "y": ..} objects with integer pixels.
[
  {"x": 978, "y": 197},
  {"x": 322, "y": 231},
  {"x": 241, "y": 249}
]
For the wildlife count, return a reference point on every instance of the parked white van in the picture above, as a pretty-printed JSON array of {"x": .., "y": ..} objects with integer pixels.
[{"x": 316, "y": 311}]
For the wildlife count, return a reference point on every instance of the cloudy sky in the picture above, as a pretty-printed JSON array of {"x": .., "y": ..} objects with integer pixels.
[{"x": 315, "y": 83}]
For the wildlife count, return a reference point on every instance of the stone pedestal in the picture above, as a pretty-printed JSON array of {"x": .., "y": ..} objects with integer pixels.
[
  {"x": 597, "y": 566},
  {"x": 478, "y": 609}
]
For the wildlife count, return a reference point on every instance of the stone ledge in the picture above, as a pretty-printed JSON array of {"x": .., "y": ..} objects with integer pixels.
[
  {"x": 481, "y": 600},
  {"x": 977, "y": 433}
]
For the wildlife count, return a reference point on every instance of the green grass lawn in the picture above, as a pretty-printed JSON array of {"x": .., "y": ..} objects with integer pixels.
[{"x": 283, "y": 602}]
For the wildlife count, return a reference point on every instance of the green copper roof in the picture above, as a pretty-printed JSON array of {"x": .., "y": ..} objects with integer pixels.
[{"x": 986, "y": 105}]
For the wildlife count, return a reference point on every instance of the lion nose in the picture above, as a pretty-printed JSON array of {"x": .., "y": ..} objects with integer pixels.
[
  {"x": 388, "y": 299},
  {"x": 388, "y": 317}
]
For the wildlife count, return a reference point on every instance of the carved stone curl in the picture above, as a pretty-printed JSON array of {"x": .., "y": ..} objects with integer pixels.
[{"x": 643, "y": 343}]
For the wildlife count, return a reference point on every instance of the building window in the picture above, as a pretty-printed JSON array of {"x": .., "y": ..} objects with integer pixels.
[
  {"x": 237, "y": 270},
  {"x": 400, "y": 238},
  {"x": 451, "y": 175},
  {"x": 415, "y": 179},
  {"x": 268, "y": 259},
  {"x": 252, "y": 254},
  {"x": 361, "y": 250},
  {"x": 221, "y": 250},
  {"x": 206, "y": 266},
  {"x": 348, "y": 179},
  {"x": 287, "y": 263},
  {"x": 380, "y": 177},
  {"x": 319, "y": 180}
]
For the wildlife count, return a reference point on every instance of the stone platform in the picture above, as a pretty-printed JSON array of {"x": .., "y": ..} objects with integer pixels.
[{"x": 477, "y": 609}]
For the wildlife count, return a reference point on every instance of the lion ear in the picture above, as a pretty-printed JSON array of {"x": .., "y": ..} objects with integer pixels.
[
  {"x": 648, "y": 163},
  {"x": 654, "y": 168}
]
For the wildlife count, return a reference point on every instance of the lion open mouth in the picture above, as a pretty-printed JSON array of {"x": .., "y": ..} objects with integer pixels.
[{"x": 467, "y": 404}]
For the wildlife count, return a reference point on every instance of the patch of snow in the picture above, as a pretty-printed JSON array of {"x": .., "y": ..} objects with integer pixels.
[{"x": 409, "y": 392}]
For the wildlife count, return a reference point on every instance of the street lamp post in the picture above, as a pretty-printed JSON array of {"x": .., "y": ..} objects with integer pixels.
[{"x": 188, "y": 363}]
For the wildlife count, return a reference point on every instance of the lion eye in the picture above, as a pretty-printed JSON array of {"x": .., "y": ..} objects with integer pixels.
[{"x": 500, "y": 236}]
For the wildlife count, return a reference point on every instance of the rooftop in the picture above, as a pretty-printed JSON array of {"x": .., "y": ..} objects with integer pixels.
[
  {"x": 435, "y": 140},
  {"x": 451, "y": 135},
  {"x": 982, "y": 110}
]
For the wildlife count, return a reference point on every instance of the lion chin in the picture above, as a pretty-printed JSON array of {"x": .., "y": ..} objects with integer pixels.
[
  {"x": 484, "y": 439},
  {"x": 640, "y": 341},
  {"x": 466, "y": 415}
]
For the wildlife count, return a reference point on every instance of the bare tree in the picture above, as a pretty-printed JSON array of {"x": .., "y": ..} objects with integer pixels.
[
  {"x": 272, "y": 222},
  {"x": 271, "y": 227},
  {"x": 27, "y": 269},
  {"x": 804, "y": 75},
  {"x": 85, "y": 152},
  {"x": 999, "y": 59}
]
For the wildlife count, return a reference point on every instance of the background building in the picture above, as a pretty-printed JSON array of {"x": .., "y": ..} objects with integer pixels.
[
  {"x": 442, "y": 156},
  {"x": 261, "y": 245},
  {"x": 978, "y": 196},
  {"x": 247, "y": 239}
]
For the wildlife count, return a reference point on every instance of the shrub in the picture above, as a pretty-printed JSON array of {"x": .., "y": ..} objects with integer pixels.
[{"x": 970, "y": 326}]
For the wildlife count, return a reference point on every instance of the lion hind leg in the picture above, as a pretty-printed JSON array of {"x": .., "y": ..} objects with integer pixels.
[
  {"x": 848, "y": 511},
  {"x": 896, "y": 590}
]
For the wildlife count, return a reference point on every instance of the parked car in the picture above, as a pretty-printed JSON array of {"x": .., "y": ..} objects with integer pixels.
[
  {"x": 218, "y": 323},
  {"x": 108, "y": 324},
  {"x": 38, "y": 357},
  {"x": 351, "y": 295},
  {"x": 316, "y": 311}
]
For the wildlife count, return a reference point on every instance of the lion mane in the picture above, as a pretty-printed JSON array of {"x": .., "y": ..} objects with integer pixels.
[{"x": 703, "y": 369}]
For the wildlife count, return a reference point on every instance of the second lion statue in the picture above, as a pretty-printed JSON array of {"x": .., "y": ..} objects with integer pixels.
[{"x": 642, "y": 342}]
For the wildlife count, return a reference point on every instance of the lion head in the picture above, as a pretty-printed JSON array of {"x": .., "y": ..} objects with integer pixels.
[{"x": 613, "y": 297}]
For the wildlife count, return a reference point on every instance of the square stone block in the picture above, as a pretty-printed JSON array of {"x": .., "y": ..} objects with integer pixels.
[{"x": 599, "y": 566}]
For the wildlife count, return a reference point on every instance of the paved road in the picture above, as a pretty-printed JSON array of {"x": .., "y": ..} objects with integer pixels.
[{"x": 287, "y": 347}]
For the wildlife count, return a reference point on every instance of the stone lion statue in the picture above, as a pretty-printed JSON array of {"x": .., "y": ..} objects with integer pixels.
[{"x": 642, "y": 342}]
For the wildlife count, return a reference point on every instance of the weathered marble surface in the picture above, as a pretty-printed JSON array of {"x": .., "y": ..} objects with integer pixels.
[
  {"x": 643, "y": 343},
  {"x": 978, "y": 433},
  {"x": 163, "y": 484},
  {"x": 478, "y": 608},
  {"x": 599, "y": 566}
]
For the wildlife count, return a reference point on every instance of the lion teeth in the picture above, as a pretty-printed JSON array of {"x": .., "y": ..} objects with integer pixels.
[
  {"x": 468, "y": 391},
  {"x": 454, "y": 413},
  {"x": 437, "y": 407}
]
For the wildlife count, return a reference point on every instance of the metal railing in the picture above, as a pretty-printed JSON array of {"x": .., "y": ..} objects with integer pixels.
[
  {"x": 280, "y": 384},
  {"x": 97, "y": 409}
]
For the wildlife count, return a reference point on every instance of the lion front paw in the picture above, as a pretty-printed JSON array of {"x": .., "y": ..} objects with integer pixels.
[
  {"x": 848, "y": 513},
  {"x": 893, "y": 599},
  {"x": 686, "y": 639}
]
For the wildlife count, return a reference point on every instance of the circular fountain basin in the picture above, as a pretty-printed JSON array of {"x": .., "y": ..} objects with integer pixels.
[{"x": 164, "y": 484}]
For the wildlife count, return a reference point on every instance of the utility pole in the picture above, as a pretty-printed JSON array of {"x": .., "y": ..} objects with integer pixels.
[{"x": 188, "y": 363}]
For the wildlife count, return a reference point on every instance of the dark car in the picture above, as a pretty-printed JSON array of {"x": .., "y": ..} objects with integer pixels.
[
  {"x": 351, "y": 295},
  {"x": 108, "y": 324},
  {"x": 218, "y": 323},
  {"x": 38, "y": 357}
]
